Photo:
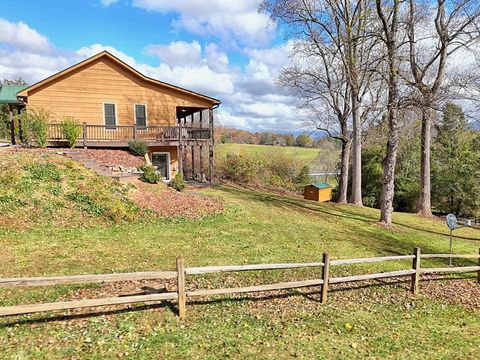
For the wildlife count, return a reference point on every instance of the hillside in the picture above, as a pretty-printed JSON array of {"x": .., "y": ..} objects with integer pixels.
[
  {"x": 41, "y": 188},
  {"x": 256, "y": 227},
  {"x": 311, "y": 156}
]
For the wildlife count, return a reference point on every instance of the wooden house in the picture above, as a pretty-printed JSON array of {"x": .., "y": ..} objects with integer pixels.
[
  {"x": 318, "y": 192},
  {"x": 114, "y": 103}
]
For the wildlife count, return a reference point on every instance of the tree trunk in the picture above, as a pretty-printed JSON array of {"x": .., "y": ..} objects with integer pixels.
[
  {"x": 356, "y": 198},
  {"x": 344, "y": 167},
  {"x": 425, "y": 202},
  {"x": 390, "y": 161}
]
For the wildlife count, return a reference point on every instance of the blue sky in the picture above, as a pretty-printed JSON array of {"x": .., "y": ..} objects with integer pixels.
[{"x": 225, "y": 49}]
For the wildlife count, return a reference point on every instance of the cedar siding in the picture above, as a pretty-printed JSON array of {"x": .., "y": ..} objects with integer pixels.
[{"x": 82, "y": 92}]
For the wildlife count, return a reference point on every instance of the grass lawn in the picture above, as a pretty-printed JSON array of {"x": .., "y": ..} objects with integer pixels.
[
  {"x": 306, "y": 155},
  {"x": 377, "y": 321}
]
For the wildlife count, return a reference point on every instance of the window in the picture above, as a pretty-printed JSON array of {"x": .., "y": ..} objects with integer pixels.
[
  {"x": 141, "y": 115},
  {"x": 110, "y": 115}
]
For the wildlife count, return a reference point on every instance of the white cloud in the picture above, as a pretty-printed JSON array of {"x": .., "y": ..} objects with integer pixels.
[
  {"x": 21, "y": 36},
  {"x": 177, "y": 53},
  {"x": 250, "y": 99},
  {"x": 231, "y": 21},
  {"x": 108, "y": 2}
]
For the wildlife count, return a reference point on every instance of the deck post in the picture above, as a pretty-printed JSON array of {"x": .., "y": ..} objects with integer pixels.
[
  {"x": 182, "y": 299},
  {"x": 210, "y": 150},
  {"x": 193, "y": 162},
  {"x": 84, "y": 135},
  {"x": 12, "y": 128},
  {"x": 325, "y": 276},
  {"x": 200, "y": 150},
  {"x": 134, "y": 131},
  {"x": 415, "y": 288},
  {"x": 478, "y": 272}
]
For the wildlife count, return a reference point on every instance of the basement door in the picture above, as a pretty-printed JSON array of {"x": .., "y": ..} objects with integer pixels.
[{"x": 162, "y": 161}]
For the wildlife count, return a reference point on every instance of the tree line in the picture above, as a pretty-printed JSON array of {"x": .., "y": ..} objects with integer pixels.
[
  {"x": 369, "y": 66},
  {"x": 226, "y": 135}
]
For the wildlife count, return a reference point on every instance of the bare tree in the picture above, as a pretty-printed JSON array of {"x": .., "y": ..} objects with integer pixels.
[
  {"x": 455, "y": 26},
  {"x": 341, "y": 27},
  {"x": 388, "y": 12},
  {"x": 318, "y": 82}
]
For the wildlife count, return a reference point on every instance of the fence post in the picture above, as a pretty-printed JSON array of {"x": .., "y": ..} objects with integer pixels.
[
  {"x": 84, "y": 135},
  {"x": 181, "y": 287},
  {"x": 478, "y": 272},
  {"x": 416, "y": 274},
  {"x": 135, "y": 131},
  {"x": 325, "y": 275}
]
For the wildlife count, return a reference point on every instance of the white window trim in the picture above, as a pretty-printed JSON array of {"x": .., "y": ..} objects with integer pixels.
[
  {"x": 135, "y": 113},
  {"x": 103, "y": 112},
  {"x": 168, "y": 162}
]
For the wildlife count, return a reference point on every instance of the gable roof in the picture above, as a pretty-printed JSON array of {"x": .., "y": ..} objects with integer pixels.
[
  {"x": 106, "y": 54},
  {"x": 8, "y": 93},
  {"x": 321, "y": 185}
]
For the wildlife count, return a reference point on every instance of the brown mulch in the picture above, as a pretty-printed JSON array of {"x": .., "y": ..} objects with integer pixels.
[
  {"x": 170, "y": 203},
  {"x": 109, "y": 157}
]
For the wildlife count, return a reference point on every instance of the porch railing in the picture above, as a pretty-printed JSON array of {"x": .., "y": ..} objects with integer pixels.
[{"x": 125, "y": 133}]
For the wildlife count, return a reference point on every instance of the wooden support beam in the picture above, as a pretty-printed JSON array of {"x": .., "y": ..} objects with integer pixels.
[
  {"x": 12, "y": 128},
  {"x": 325, "y": 277},
  {"x": 211, "y": 167},
  {"x": 416, "y": 276},
  {"x": 193, "y": 161},
  {"x": 200, "y": 150},
  {"x": 84, "y": 135},
  {"x": 182, "y": 299}
]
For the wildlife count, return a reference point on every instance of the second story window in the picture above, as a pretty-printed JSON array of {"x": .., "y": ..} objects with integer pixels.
[
  {"x": 110, "y": 115},
  {"x": 141, "y": 115}
]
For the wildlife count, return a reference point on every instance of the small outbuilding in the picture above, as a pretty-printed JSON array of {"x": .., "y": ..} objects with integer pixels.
[{"x": 318, "y": 192}]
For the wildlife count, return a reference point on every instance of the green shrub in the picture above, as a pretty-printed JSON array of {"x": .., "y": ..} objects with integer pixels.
[
  {"x": 138, "y": 147},
  {"x": 178, "y": 183},
  {"x": 85, "y": 202},
  {"x": 241, "y": 168},
  {"x": 71, "y": 130},
  {"x": 149, "y": 175},
  {"x": 43, "y": 171},
  {"x": 35, "y": 126}
]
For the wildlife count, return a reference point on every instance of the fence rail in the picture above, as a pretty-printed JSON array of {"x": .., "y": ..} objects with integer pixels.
[{"x": 182, "y": 294}]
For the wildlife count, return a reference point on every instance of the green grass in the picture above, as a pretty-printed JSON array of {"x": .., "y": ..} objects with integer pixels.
[
  {"x": 306, "y": 155},
  {"x": 256, "y": 227}
]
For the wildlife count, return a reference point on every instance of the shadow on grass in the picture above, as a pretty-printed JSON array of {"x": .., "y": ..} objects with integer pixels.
[
  {"x": 312, "y": 294},
  {"x": 343, "y": 211}
]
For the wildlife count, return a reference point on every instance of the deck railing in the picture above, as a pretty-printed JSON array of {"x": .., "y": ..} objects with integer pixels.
[{"x": 125, "y": 133}]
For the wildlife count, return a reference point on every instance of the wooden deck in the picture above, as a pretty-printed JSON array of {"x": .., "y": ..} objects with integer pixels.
[{"x": 120, "y": 135}]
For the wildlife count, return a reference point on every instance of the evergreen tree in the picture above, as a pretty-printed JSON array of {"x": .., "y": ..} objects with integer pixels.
[{"x": 456, "y": 164}]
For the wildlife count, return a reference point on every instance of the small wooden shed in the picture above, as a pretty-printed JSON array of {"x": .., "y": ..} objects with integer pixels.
[{"x": 318, "y": 192}]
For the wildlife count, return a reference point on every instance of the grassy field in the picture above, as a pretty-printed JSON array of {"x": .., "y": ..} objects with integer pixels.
[
  {"x": 307, "y": 155},
  {"x": 376, "y": 321}
]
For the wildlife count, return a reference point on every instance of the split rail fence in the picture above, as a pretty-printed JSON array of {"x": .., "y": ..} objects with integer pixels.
[{"x": 182, "y": 294}]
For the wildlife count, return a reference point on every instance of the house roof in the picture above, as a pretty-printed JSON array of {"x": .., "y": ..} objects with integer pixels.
[
  {"x": 108, "y": 55},
  {"x": 321, "y": 185},
  {"x": 8, "y": 93}
]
